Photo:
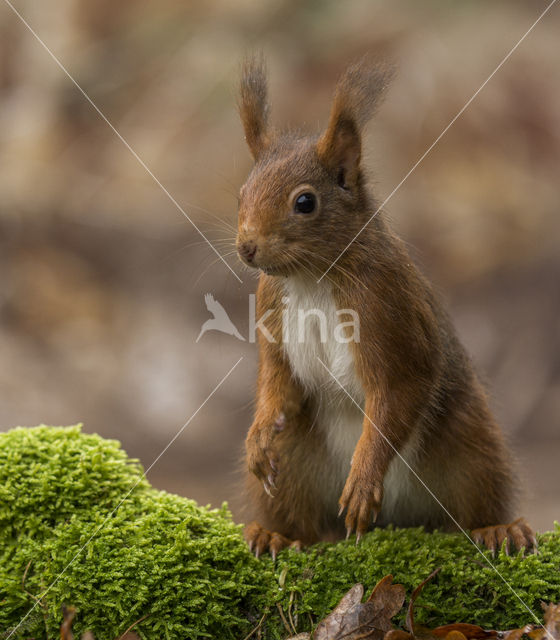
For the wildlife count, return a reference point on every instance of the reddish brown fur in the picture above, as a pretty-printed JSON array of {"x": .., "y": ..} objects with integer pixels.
[
  {"x": 253, "y": 105},
  {"x": 416, "y": 377}
]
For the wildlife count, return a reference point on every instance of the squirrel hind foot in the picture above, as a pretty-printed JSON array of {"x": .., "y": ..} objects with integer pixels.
[
  {"x": 514, "y": 536},
  {"x": 260, "y": 540}
]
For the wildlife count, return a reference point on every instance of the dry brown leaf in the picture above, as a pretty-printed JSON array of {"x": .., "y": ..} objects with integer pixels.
[
  {"x": 344, "y": 616},
  {"x": 469, "y": 631},
  {"x": 68, "y": 615},
  {"x": 456, "y": 631},
  {"x": 353, "y": 619},
  {"x": 550, "y": 630},
  {"x": 552, "y": 621},
  {"x": 398, "y": 634},
  {"x": 410, "y": 613},
  {"x": 388, "y": 598},
  {"x": 464, "y": 631},
  {"x": 455, "y": 635},
  {"x": 516, "y": 634}
]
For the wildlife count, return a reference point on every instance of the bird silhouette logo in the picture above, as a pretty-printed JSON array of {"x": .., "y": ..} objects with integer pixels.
[{"x": 220, "y": 321}]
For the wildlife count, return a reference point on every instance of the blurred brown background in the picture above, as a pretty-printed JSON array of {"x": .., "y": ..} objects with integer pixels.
[{"x": 102, "y": 279}]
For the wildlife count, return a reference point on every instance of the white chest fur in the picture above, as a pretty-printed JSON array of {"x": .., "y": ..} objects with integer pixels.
[
  {"x": 315, "y": 341},
  {"x": 320, "y": 358},
  {"x": 320, "y": 362}
]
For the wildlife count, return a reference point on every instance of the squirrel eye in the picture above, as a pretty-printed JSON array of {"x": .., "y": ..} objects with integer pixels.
[{"x": 305, "y": 203}]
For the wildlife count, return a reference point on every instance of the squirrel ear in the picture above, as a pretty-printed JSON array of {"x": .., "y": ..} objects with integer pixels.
[
  {"x": 340, "y": 149},
  {"x": 357, "y": 95},
  {"x": 253, "y": 104}
]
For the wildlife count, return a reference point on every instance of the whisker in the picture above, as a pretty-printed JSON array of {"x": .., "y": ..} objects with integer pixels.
[
  {"x": 220, "y": 218},
  {"x": 340, "y": 268},
  {"x": 214, "y": 261}
]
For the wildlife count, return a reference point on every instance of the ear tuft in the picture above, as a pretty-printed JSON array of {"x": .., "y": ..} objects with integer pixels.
[
  {"x": 361, "y": 89},
  {"x": 358, "y": 93},
  {"x": 253, "y": 104}
]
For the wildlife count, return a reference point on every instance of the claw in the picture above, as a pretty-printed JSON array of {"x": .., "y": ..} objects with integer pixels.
[
  {"x": 267, "y": 489},
  {"x": 358, "y": 537},
  {"x": 517, "y": 536},
  {"x": 348, "y": 532},
  {"x": 262, "y": 541},
  {"x": 375, "y": 514},
  {"x": 271, "y": 482},
  {"x": 534, "y": 543},
  {"x": 341, "y": 510}
]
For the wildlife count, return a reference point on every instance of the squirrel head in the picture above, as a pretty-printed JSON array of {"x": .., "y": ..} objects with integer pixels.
[{"x": 305, "y": 198}]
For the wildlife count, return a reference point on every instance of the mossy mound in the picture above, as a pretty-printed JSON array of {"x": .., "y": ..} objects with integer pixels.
[
  {"x": 77, "y": 514},
  {"x": 80, "y": 525}
]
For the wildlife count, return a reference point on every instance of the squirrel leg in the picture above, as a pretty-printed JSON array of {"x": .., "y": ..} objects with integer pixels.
[
  {"x": 516, "y": 535},
  {"x": 261, "y": 540},
  {"x": 362, "y": 496}
]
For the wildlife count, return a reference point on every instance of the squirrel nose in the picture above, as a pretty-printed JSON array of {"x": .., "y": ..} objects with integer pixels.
[{"x": 248, "y": 250}]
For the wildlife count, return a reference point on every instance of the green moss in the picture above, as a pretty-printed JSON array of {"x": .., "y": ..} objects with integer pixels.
[
  {"x": 80, "y": 522},
  {"x": 467, "y": 589},
  {"x": 63, "y": 517}
]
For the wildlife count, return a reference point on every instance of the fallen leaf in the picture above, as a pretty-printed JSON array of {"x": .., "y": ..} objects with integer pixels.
[
  {"x": 551, "y": 628},
  {"x": 516, "y": 634},
  {"x": 552, "y": 621},
  {"x": 388, "y": 598},
  {"x": 68, "y": 615},
  {"x": 469, "y": 631},
  {"x": 398, "y": 634},
  {"x": 353, "y": 619},
  {"x": 465, "y": 631},
  {"x": 410, "y": 613},
  {"x": 454, "y": 634}
]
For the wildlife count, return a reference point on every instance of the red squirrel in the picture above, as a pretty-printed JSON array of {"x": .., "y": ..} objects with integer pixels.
[{"x": 387, "y": 423}]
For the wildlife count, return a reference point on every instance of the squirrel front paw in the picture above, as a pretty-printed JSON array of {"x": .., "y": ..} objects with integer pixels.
[
  {"x": 361, "y": 498},
  {"x": 262, "y": 459}
]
